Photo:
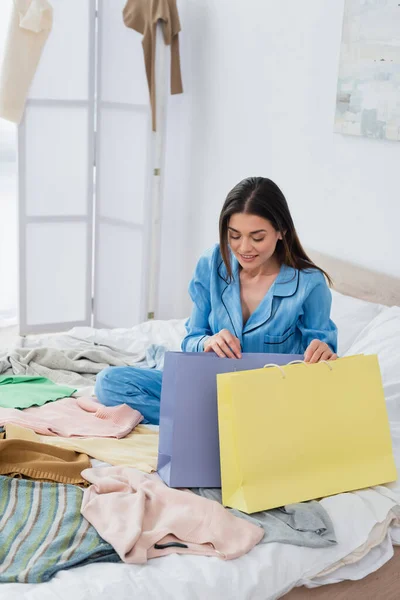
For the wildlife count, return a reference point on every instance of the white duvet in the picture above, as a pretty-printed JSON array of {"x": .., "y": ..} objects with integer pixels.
[{"x": 365, "y": 522}]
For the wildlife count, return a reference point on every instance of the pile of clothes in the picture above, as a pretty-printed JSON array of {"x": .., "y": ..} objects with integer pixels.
[{"x": 60, "y": 507}]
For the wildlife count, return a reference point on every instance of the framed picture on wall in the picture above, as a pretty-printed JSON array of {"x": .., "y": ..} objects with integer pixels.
[{"x": 368, "y": 91}]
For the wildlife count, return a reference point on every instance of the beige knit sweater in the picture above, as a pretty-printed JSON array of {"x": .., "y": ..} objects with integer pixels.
[{"x": 30, "y": 25}]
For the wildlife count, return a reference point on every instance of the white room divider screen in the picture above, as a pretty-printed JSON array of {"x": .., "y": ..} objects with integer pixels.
[{"x": 86, "y": 175}]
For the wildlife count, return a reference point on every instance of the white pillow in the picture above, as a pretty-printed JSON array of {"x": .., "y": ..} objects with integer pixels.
[
  {"x": 351, "y": 316},
  {"x": 382, "y": 337}
]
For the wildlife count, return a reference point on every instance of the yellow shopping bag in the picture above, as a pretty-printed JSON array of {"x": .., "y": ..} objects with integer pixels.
[{"x": 300, "y": 432}]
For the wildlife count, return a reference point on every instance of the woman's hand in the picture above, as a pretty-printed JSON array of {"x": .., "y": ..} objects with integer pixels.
[
  {"x": 317, "y": 351},
  {"x": 224, "y": 344}
]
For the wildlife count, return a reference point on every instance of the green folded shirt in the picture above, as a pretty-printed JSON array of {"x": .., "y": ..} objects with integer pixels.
[{"x": 23, "y": 391}]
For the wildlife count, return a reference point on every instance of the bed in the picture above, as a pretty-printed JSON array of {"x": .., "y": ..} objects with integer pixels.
[{"x": 366, "y": 308}]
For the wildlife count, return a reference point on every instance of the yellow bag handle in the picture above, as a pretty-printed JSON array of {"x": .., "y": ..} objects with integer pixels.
[
  {"x": 274, "y": 365},
  {"x": 298, "y": 362},
  {"x": 295, "y": 362}
]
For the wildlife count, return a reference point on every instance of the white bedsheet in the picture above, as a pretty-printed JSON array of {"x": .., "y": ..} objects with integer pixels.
[
  {"x": 265, "y": 573},
  {"x": 363, "y": 520}
]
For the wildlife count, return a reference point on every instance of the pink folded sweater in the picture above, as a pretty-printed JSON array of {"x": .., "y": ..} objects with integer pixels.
[
  {"x": 137, "y": 513},
  {"x": 79, "y": 417}
]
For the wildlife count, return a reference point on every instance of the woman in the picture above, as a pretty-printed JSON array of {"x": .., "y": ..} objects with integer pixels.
[{"x": 255, "y": 291}]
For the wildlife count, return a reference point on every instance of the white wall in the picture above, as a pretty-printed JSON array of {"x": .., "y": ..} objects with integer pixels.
[{"x": 260, "y": 84}]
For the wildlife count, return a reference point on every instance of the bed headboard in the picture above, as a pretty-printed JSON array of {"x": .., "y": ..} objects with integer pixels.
[{"x": 359, "y": 282}]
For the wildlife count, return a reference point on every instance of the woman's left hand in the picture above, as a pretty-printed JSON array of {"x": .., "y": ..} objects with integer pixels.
[{"x": 317, "y": 351}]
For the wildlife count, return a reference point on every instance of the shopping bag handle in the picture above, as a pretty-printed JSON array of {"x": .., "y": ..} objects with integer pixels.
[
  {"x": 274, "y": 365},
  {"x": 302, "y": 362},
  {"x": 294, "y": 362}
]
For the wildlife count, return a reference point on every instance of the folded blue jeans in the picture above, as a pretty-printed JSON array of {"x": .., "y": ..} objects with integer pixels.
[{"x": 140, "y": 388}]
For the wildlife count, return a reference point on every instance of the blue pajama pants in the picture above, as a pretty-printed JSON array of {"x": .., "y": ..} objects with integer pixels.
[{"x": 137, "y": 387}]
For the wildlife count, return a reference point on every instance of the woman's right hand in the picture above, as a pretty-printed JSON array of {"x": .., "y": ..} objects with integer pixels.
[{"x": 224, "y": 344}]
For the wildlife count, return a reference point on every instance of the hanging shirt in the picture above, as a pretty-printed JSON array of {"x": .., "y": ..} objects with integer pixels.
[
  {"x": 30, "y": 25},
  {"x": 142, "y": 16},
  {"x": 294, "y": 311}
]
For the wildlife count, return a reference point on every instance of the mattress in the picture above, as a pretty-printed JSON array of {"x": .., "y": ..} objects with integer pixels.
[{"x": 366, "y": 522}]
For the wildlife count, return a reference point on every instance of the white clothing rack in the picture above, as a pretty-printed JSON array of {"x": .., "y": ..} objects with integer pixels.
[{"x": 162, "y": 82}]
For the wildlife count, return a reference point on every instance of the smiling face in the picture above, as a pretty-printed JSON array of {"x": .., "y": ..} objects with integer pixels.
[{"x": 252, "y": 240}]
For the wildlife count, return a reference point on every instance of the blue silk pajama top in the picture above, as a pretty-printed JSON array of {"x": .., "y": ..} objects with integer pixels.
[{"x": 294, "y": 311}]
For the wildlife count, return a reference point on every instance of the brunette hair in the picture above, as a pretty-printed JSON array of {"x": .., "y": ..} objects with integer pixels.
[{"x": 262, "y": 197}]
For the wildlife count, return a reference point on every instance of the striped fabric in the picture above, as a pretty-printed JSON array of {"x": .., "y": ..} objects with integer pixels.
[{"x": 42, "y": 531}]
